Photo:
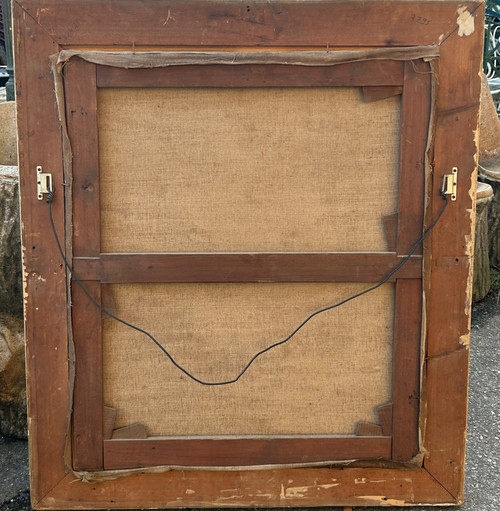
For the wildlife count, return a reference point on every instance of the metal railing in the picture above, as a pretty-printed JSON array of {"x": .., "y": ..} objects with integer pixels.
[
  {"x": 7, "y": 27},
  {"x": 491, "y": 58}
]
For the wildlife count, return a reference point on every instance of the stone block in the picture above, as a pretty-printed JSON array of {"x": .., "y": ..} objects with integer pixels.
[
  {"x": 13, "y": 415},
  {"x": 11, "y": 298},
  {"x": 8, "y": 127}
]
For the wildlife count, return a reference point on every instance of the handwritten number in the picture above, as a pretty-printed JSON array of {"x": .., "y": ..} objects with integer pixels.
[{"x": 420, "y": 20}]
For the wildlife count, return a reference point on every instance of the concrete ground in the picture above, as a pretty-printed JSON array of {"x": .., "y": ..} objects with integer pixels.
[{"x": 482, "y": 487}]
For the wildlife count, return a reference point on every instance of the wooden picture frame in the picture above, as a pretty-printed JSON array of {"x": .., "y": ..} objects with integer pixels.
[{"x": 429, "y": 53}]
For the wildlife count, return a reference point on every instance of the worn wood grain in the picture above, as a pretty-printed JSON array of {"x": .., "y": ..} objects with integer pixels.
[
  {"x": 242, "y": 451},
  {"x": 88, "y": 408},
  {"x": 406, "y": 368},
  {"x": 212, "y": 23},
  {"x": 39, "y": 26},
  {"x": 452, "y": 249},
  {"x": 383, "y": 73},
  {"x": 445, "y": 433},
  {"x": 415, "y": 113},
  {"x": 452, "y": 239},
  {"x": 309, "y": 487},
  {"x": 44, "y": 276},
  {"x": 305, "y": 267},
  {"x": 81, "y": 111}
]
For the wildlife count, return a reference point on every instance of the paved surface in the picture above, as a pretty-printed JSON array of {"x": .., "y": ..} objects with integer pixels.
[{"x": 14, "y": 481}]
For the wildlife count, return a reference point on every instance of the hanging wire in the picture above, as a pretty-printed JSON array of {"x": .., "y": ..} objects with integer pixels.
[{"x": 50, "y": 199}]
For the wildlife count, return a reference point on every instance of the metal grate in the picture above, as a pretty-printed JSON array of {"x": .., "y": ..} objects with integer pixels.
[{"x": 491, "y": 59}]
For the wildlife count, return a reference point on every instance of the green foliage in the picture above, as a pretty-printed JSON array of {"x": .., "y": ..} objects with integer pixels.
[{"x": 495, "y": 281}]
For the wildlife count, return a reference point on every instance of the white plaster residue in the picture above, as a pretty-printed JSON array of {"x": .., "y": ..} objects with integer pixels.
[
  {"x": 236, "y": 494},
  {"x": 465, "y": 22},
  {"x": 35, "y": 276},
  {"x": 382, "y": 500},
  {"x": 476, "y": 132},
  {"x": 301, "y": 491},
  {"x": 465, "y": 340},
  {"x": 469, "y": 238},
  {"x": 231, "y": 497},
  {"x": 189, "y": 492},
  {"x": 259, "y": 495},
  {"x": 361, "y": 480},
  {"x": 296, "y": 491},
  {"x": 25, "y": 273},
  {"x": 468, "y": 290}
]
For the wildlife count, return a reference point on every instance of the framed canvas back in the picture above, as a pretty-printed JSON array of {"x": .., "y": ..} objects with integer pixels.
[{"x": 247, "y": 239}]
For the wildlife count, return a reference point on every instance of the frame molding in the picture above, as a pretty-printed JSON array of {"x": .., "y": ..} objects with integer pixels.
[{"x": 44, "y": 27}]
